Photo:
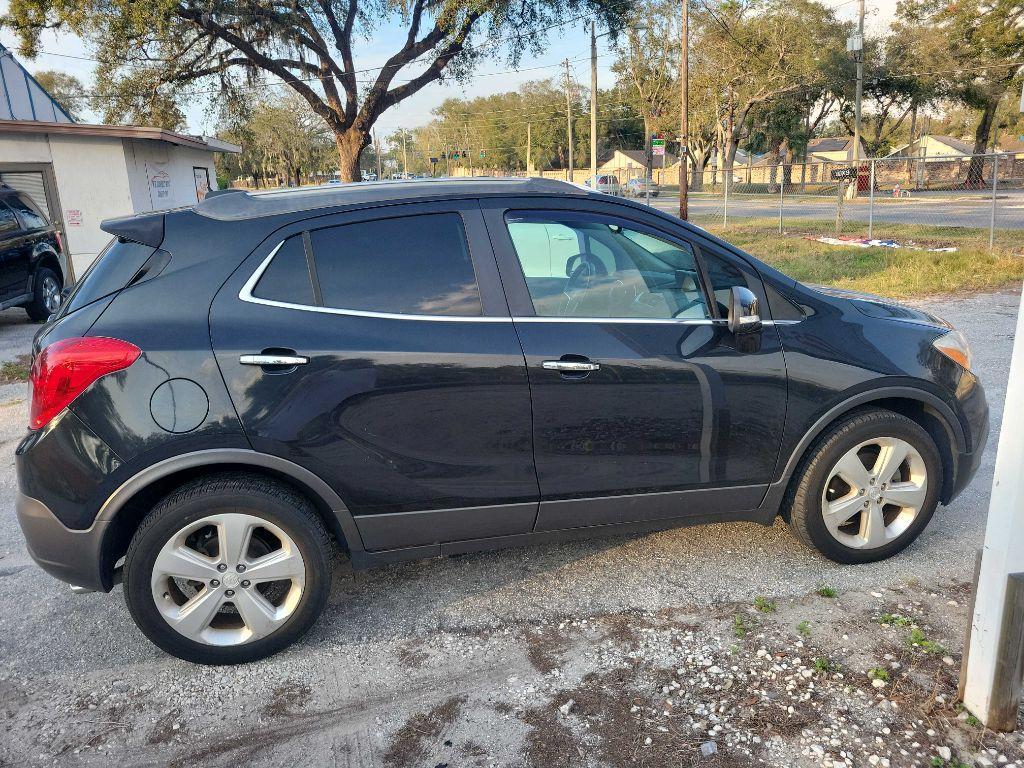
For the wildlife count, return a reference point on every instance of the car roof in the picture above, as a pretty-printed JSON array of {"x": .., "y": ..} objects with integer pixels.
[{"x": 234, "y": 205}]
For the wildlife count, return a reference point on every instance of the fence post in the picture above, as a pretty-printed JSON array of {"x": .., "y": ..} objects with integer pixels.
[
  {"x": 782, "y": 191},
  {"x": 727, "y": 182},
  {"x": 871, "y": 201},
  {"x": 992, "y": 218}
]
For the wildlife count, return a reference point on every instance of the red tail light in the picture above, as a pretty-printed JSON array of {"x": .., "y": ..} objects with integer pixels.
[
  {"x": 63, "y": 370},
  {"x": 60, "y": 241}
]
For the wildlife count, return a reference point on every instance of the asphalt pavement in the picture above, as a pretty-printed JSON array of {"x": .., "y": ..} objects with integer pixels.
[{"x": 974, "y": 211}]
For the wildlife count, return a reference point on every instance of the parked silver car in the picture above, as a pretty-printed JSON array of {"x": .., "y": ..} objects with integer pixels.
[{"x": 639, "y": 187}]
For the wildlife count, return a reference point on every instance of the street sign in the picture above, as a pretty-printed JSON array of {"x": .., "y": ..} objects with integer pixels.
[
  {"x": 844, "y": 174},
  {"x": 659, "y": 146},
  {"x": 433, "y": 161}
]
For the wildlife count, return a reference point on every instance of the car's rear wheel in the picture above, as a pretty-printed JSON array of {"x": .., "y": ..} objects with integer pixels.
[
  {"x": 228, "y": 569},
  {"x": 46, "y": 288},
  {"x": 866, "y": 488}
]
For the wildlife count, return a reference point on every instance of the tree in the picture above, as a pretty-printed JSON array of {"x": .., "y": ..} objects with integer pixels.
[
  {"x": 647, "y": 62},
  {"x": 308, "y": 44},
  {"x": 981, "y": 42},
  {"x": 281, "y": 141},
  {"x": 135, "y": 99},
  {"x": 66, "y": 89},
  {"x": 763, "y": 51}
]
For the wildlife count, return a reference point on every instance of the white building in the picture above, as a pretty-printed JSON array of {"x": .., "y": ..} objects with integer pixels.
[{"x": 80, "y": 174}]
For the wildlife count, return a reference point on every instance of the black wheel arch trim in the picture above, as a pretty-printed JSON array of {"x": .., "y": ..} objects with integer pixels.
[
  {"x": 341, "y": 522},
  {"x": 952, "y": 422}
]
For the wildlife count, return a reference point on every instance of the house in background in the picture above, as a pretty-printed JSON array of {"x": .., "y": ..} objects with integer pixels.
[
  {"x": 80, "y": 173},
  {"x": 935, "y": 149},
  {"x": 833, "y": 149}
]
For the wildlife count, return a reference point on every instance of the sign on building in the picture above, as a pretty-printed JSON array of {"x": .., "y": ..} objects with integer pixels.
[{"x": 161, "y": 194}]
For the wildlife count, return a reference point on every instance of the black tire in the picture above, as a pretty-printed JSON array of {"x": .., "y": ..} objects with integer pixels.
[
  {"x": 803, "y": 506},
  {"x": 258, "y": 496},
  {"x": 37, "y": 310}
]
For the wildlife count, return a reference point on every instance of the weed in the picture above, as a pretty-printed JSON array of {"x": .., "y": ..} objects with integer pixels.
[
  {"x": 804, "y": 628},
  {"x": 878, "y": 673},
  {"x": 919, "y": 639},
  {"x": 822, "y": 664},
  {"x": 826, "y": 591},
  {"x": 739, "y": 627},
  {"x": 764, "y": 605},
  {"x": 894, "y": 620}
]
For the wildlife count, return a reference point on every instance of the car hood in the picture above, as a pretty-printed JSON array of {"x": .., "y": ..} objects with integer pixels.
[{"x": 876, "y": 306}]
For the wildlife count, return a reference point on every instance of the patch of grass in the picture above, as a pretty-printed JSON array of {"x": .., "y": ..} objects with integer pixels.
[
  {"x": 894, "y": 620},
  {"x": 15, "y": 370},
  {"x": 898, "y": 273},
  {"x": 804, "y": 628},
  {"x": 739, "y": 626},
  {"x": 919, "y": 639},
  {"x": 972, "y": 720},
  {"x": 878, "y": 673},
  {"x": 826, "y": 591},
  {"x": 764, "y": 605}
]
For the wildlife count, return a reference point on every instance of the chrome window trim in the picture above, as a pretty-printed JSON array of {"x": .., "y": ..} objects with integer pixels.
[{"x": 245, "y": 294}]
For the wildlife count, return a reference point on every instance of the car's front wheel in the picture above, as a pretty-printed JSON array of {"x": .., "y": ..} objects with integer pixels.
[
  {"x": 866, "y": 488},
  {"x": 228, "y": 569}
]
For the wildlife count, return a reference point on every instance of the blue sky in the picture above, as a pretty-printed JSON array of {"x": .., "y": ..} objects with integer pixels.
[{"x": 571, "y": 40}]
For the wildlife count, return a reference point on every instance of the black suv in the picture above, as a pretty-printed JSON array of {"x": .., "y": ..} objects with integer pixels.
[
  {"x": 30, "y": 248},
  {"x": 415, "y": 369}
]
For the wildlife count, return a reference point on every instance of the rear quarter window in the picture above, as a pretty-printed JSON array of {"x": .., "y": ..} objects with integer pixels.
[{"x": 109, "y": 273}]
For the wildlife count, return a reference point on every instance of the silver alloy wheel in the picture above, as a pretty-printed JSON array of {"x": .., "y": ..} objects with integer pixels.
[
  {"x": 51, "y": 294},
  {"x": 228, "y": 579},
  {"x": 874, "y": 493}
]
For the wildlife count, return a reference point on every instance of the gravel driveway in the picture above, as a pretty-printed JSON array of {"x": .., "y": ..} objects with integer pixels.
[{"x": 471, "y": 660}]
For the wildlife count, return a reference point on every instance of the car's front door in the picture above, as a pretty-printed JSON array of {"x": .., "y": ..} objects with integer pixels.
[
  {"x": 375, "y": 349},
  {"x": 15, "y": 246},
  {"x": 645, "y": 405}
]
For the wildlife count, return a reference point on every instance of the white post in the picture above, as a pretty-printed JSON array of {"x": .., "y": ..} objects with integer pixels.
[{"x": 987, "y": 690}]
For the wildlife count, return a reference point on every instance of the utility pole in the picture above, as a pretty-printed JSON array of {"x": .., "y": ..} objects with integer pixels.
[
  {"x": 684, "y": 117},
  {"x": 376, "y": 152},
  {"x": 593, "y": 106},
  {"x": 405, "y": 156},
  {"x": 858, "y": 54},
  {"x": 529, "y": 147},
  {"x": 568, "y": 115}
]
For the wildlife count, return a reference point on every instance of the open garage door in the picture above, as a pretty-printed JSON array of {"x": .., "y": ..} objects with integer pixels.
[{"x": 38, "y": 182}]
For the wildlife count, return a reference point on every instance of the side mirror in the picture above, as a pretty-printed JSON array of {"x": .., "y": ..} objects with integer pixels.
[{"x": 743, "y": 311}]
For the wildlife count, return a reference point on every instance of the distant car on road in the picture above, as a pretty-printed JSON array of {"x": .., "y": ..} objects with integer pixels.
[
  {"x": 639, "y": 187},
  {"x": 239, "y": 389},
  {"x": 606, "y": 183},
  {"x": 30, "y": 248}
]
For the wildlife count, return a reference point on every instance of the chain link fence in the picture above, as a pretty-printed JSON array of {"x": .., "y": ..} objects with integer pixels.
[{"x": 886, "y": 201}]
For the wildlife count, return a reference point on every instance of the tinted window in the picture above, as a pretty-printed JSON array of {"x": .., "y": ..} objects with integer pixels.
[
  {"x": 287, "y": 277},
  {"x": 111, "y": 271},
  {"x": 723, "y": 275},
  {"x": 581, "y": 265},
  {"x": 412, "y": 265},
  {"x": 8, "y": 221},
  {"x": 29, "y": 215}
]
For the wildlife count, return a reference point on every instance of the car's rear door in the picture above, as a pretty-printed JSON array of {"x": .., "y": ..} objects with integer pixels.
[
  {"x": 387, "y": 364},
  {"x": 645, "y": 405}
]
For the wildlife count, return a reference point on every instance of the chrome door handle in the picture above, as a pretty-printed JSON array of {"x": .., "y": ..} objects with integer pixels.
[
  {"x": 572, "y": 366},
  {"x": 273, "y": 360}
]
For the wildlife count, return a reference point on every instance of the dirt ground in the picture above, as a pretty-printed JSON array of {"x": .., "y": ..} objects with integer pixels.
[{"x": 725, "y": 645}]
